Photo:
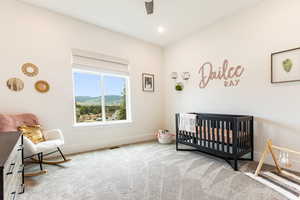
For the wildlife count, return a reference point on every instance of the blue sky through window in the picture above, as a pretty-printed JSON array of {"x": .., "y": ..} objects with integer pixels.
[{"x": 89, "y": 85}]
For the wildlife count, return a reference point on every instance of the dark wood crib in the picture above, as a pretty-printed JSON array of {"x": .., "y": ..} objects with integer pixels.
[{"x": 226, "y": 136}]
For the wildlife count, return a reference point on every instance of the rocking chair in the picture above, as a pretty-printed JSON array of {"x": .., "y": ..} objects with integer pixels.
[{"x": 54, "y": 140}]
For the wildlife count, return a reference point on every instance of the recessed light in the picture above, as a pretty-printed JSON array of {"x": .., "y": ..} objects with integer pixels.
[{"x": 161, "y": 29}]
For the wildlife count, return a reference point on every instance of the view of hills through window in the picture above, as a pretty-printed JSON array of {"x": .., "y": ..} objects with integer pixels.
[{"x": 89, "y": 88}]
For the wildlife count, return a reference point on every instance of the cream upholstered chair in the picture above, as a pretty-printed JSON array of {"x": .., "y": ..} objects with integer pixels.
[{"x": 54, "y": 140}]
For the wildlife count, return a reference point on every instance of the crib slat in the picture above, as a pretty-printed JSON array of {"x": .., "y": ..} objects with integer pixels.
[
  {"x": 209, "y": 133},
  {"x": 228, "y": 136},
  {"x": 223, "y": 138},
  {"x": 197, "y": 132},
  {"x": 212, "y": 133},
  {"x": 201, "y": 132},
  {"x": 206, "y": 133},
  {"x": 248, "y": 135},
  {"x": 239, "y": 136},
  {"x": 193, "y": 137},
  {"x": 218, "y": 129},
  {"x": 190, "y": 136},
  {"x": 213, "y": 124},
  {"x": 242, "y": 136}
]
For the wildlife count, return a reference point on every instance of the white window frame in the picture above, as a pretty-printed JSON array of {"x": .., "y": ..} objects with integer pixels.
[{"x": 101, "y": 73}]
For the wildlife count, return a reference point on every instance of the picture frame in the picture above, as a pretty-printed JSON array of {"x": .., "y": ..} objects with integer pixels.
[
  {"x": 285, "y": 66},
  {"x": 148, "y": 82}
]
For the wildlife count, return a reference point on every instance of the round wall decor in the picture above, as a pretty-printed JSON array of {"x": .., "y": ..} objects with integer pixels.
[
  {"x": 15, "y": 84},
  {"x": 30, "y": 69},
  {"x": 42, "y": 86}
]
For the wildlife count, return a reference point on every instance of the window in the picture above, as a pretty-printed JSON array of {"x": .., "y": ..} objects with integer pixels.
[{"x": 100, "y": 97}]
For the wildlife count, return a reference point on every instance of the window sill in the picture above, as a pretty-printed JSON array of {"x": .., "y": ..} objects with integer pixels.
[{"x": 93, "y": 124}]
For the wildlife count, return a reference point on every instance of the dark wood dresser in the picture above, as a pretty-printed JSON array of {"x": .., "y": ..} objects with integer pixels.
[{"x": 11, "y": 165}]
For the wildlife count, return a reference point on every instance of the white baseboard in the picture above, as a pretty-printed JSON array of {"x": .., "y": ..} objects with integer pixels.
[{"x": 78, "y": 148}]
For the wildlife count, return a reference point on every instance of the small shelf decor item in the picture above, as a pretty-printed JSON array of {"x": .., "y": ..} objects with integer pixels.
[
  {"x": 174, "y": 75},
  {"x": 148, "y": 82},
  {"x": 30, "y": 69},
  {"x": 15, "y": 84},
  {"x": 42, "y": 86},
  {"x": 179, "y": 85},
  {"x": 285, "y": 66},
  {"x": 186, "y": 76}
]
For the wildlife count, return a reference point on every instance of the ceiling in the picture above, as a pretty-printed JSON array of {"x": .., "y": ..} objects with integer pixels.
[{"x": 177, "y": 18}]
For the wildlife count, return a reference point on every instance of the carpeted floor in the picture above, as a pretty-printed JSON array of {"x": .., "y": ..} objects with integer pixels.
[{"x": 145, "y": 172}]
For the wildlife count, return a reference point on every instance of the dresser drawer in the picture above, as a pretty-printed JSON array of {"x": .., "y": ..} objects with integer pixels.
[
  {"x": 15, "y": 154},
  {"x": 12, "y": 175},
  {"x": 14, "y": 164},
  {"x": 11, "y": 165},
  {"x": 11, "y": 196},
  {"x": 14, "y": 188}
]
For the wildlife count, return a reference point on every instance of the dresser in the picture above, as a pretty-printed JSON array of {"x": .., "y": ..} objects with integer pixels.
[{"x": 11, "y": 165}]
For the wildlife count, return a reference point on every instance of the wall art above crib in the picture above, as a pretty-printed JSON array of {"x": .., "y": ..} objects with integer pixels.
[
  {"x": 285, "y": 66},
  {"x": 231, "y": 75}
]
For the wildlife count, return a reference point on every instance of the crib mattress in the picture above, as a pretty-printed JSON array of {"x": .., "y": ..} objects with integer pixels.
[{"x": 212, "y": 134}]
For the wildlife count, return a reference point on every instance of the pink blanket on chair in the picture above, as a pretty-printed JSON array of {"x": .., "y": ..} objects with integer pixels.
[{"x": 10, "y": 123}]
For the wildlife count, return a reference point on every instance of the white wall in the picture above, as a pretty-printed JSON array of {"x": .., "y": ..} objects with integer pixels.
[
  {"x": 30, "y": 34},
  {"x": 246, "y": 38}
]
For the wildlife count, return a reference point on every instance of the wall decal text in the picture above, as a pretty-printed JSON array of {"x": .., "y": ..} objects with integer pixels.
[{"x": 230, "y": 75}]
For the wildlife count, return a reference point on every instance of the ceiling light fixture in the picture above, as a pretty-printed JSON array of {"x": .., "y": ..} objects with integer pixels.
[{"x": 161, "y": 29}]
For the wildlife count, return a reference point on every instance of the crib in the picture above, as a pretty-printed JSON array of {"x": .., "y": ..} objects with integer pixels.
[{"x": 229, "y": 137}]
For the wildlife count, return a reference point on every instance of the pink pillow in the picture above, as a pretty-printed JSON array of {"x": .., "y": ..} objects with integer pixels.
[{"x": 10, "y": 123}]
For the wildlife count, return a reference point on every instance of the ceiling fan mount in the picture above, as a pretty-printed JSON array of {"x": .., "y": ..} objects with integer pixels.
[{"x": 149, "y": 5}]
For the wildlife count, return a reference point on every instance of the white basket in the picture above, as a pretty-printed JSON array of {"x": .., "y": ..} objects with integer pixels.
[{"x": 165, "y": 138}]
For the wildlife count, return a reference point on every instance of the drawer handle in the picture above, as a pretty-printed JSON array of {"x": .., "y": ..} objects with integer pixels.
[
  {"x": 11, "y": 169},
  {"x": 21, "y": 147},
  {"x": 21, "y": 168},
  {"x": 13, "y": 195}
]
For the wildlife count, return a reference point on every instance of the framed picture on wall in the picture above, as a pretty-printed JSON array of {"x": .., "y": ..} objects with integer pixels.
[
  {"x": 148, "y": 82},
  {"x": 285, "y": 66}
]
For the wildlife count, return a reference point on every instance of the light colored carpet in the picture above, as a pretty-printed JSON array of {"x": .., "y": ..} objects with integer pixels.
[{"x": 145, "y": 172}]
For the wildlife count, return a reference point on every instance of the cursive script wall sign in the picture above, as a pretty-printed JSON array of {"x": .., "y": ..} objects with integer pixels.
[{"x": 230, "y": 75}]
